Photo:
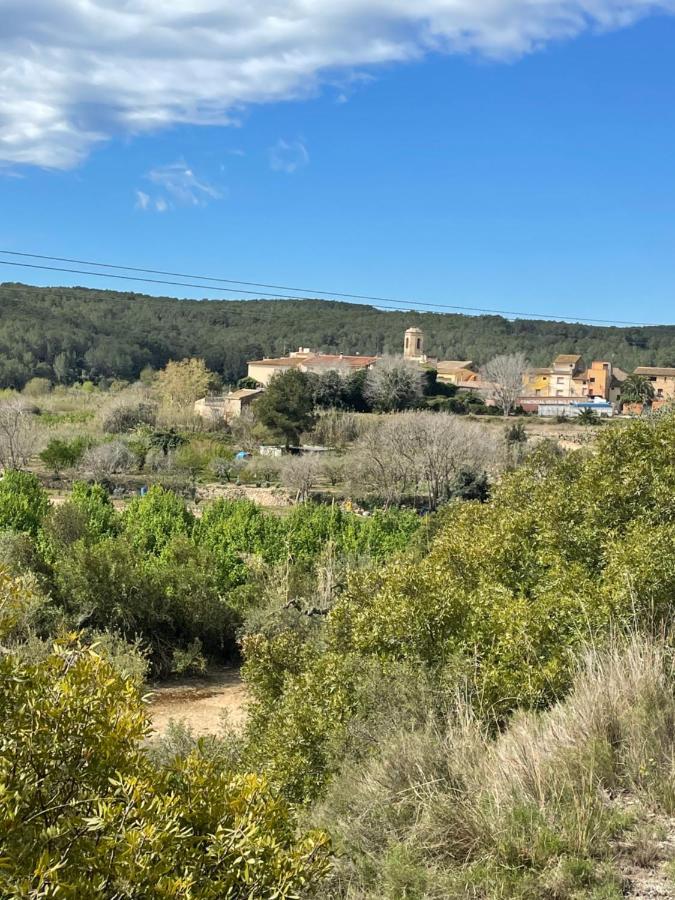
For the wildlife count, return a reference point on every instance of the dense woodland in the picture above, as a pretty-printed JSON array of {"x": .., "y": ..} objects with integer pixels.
[{"x": 71, "y": 334}]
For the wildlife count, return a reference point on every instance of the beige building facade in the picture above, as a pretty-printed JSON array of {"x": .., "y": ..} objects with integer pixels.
[{"x": 661, "y": 379}]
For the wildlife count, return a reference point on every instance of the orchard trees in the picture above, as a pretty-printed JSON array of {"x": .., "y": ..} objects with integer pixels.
[{"x": 420, "y": 454}]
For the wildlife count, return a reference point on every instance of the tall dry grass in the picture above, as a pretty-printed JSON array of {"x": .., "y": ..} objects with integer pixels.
[{"x": 449, "y": 810}]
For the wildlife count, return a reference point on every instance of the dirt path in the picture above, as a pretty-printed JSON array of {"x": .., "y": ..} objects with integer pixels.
[
  {"x": 200, "y": 703},
  {"x": 652, "y": 880}
]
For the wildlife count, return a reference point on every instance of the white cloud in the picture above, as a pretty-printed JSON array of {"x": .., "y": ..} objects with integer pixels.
[
  {"x": 142, "y": 200},
  {"x": 75, "y": 72},
  {"x": 175, "y": 185},
  {"x": 288, "y": 156},
  {"x": 180, "y": 183}
]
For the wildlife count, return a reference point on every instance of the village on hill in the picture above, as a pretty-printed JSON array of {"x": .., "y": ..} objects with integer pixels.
[{"x": 565, "y": 388}]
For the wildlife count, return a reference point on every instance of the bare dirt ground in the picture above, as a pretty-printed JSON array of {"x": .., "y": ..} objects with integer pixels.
[{"x": 200, "y": 703}]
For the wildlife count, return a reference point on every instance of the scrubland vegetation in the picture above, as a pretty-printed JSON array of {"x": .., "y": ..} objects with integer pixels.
[{"x": 474, "y": 702}]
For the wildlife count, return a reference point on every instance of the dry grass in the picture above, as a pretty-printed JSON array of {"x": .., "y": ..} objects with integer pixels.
[{"x": 449, "y": 810}]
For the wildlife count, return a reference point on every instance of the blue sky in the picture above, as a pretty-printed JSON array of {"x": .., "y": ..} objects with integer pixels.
[{"x": 535, "y": 176}]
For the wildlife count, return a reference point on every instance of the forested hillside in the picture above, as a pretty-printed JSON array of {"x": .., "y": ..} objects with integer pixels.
[{"x": 67, "y": 334}]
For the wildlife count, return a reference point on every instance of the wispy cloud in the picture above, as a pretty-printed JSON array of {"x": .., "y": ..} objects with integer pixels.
[
  {"x": 288, "y": 156},
  {"x": 76, "y": 73},
  {"x": 175, "y": 185},
  {"x": 142, "y": 200},
  {"x": 179, "y": 183}
]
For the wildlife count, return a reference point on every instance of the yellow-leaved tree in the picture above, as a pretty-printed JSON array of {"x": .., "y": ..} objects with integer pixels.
[{"x": 179, "y": 384}]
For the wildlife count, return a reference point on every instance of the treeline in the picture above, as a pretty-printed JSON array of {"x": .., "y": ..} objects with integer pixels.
[{"x": 74, "y": 334}]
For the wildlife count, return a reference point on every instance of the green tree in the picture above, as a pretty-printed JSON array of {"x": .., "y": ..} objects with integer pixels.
[
  {"x": 179, "y": 384},
  {"x": 286, "y": 407},
  {"x": 167, "y": 440},
  {"x": 588, "y": 417}
]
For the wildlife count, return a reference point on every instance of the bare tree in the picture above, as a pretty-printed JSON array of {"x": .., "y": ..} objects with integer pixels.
[
  {"x": 420, "y": 454},
  {"x": 109, "y": 459},
  {"x": 299, "y": 474},
  {"x": 505, "y": 375},
  {"x": 376, "y": 466},
  {"x": 394, "y": 384},
  {"x": 19, "y": 434}
]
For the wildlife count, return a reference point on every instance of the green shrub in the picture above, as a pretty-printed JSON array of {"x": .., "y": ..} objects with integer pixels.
[
  {"x": 59, "y": 454},
  {"x": 151, "y": 521},
  {"x": 514, "y": 587},
  {"x": 87, "y": 812},
  {"x": 23, "y": 502}
]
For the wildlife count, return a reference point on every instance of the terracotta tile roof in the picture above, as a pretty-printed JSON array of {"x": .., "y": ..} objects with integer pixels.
[
  {"x": 655, "y": 370},
  {"x": 450, "y": 365},
  {"x": 326, "y": 359},
  {"x": 242, "y": 393},
  {"x": 279, "y": 361}
]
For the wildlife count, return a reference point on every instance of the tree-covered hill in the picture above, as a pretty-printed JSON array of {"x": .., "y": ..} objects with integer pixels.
[{"x": 67, "y": 333}]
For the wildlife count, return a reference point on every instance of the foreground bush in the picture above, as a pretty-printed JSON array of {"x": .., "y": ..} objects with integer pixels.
[{"x": 85, "y": 812}]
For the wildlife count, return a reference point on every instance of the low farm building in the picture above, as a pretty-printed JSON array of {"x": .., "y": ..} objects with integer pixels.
[{"x": 226, "y": 406}]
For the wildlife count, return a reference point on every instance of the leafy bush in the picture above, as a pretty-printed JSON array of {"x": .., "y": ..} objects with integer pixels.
[
  {"x": 86, "y": 811},
  {"x": 151, "y": 521},
  {"x": 37, "y": 387},
  {"x": 60, "y": 454},
  {"x": 23, "y": 502}
]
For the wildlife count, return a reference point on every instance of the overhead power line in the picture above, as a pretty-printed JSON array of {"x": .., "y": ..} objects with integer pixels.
[{"x": 380, "y": 302}]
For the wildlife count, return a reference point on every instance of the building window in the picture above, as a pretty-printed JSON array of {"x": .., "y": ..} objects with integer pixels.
[
  {"x": 419, "y": 343},
  {"x": 561, "y": 381}
]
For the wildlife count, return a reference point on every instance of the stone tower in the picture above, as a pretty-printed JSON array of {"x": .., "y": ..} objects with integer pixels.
[{"x": 413, "y": 346}]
